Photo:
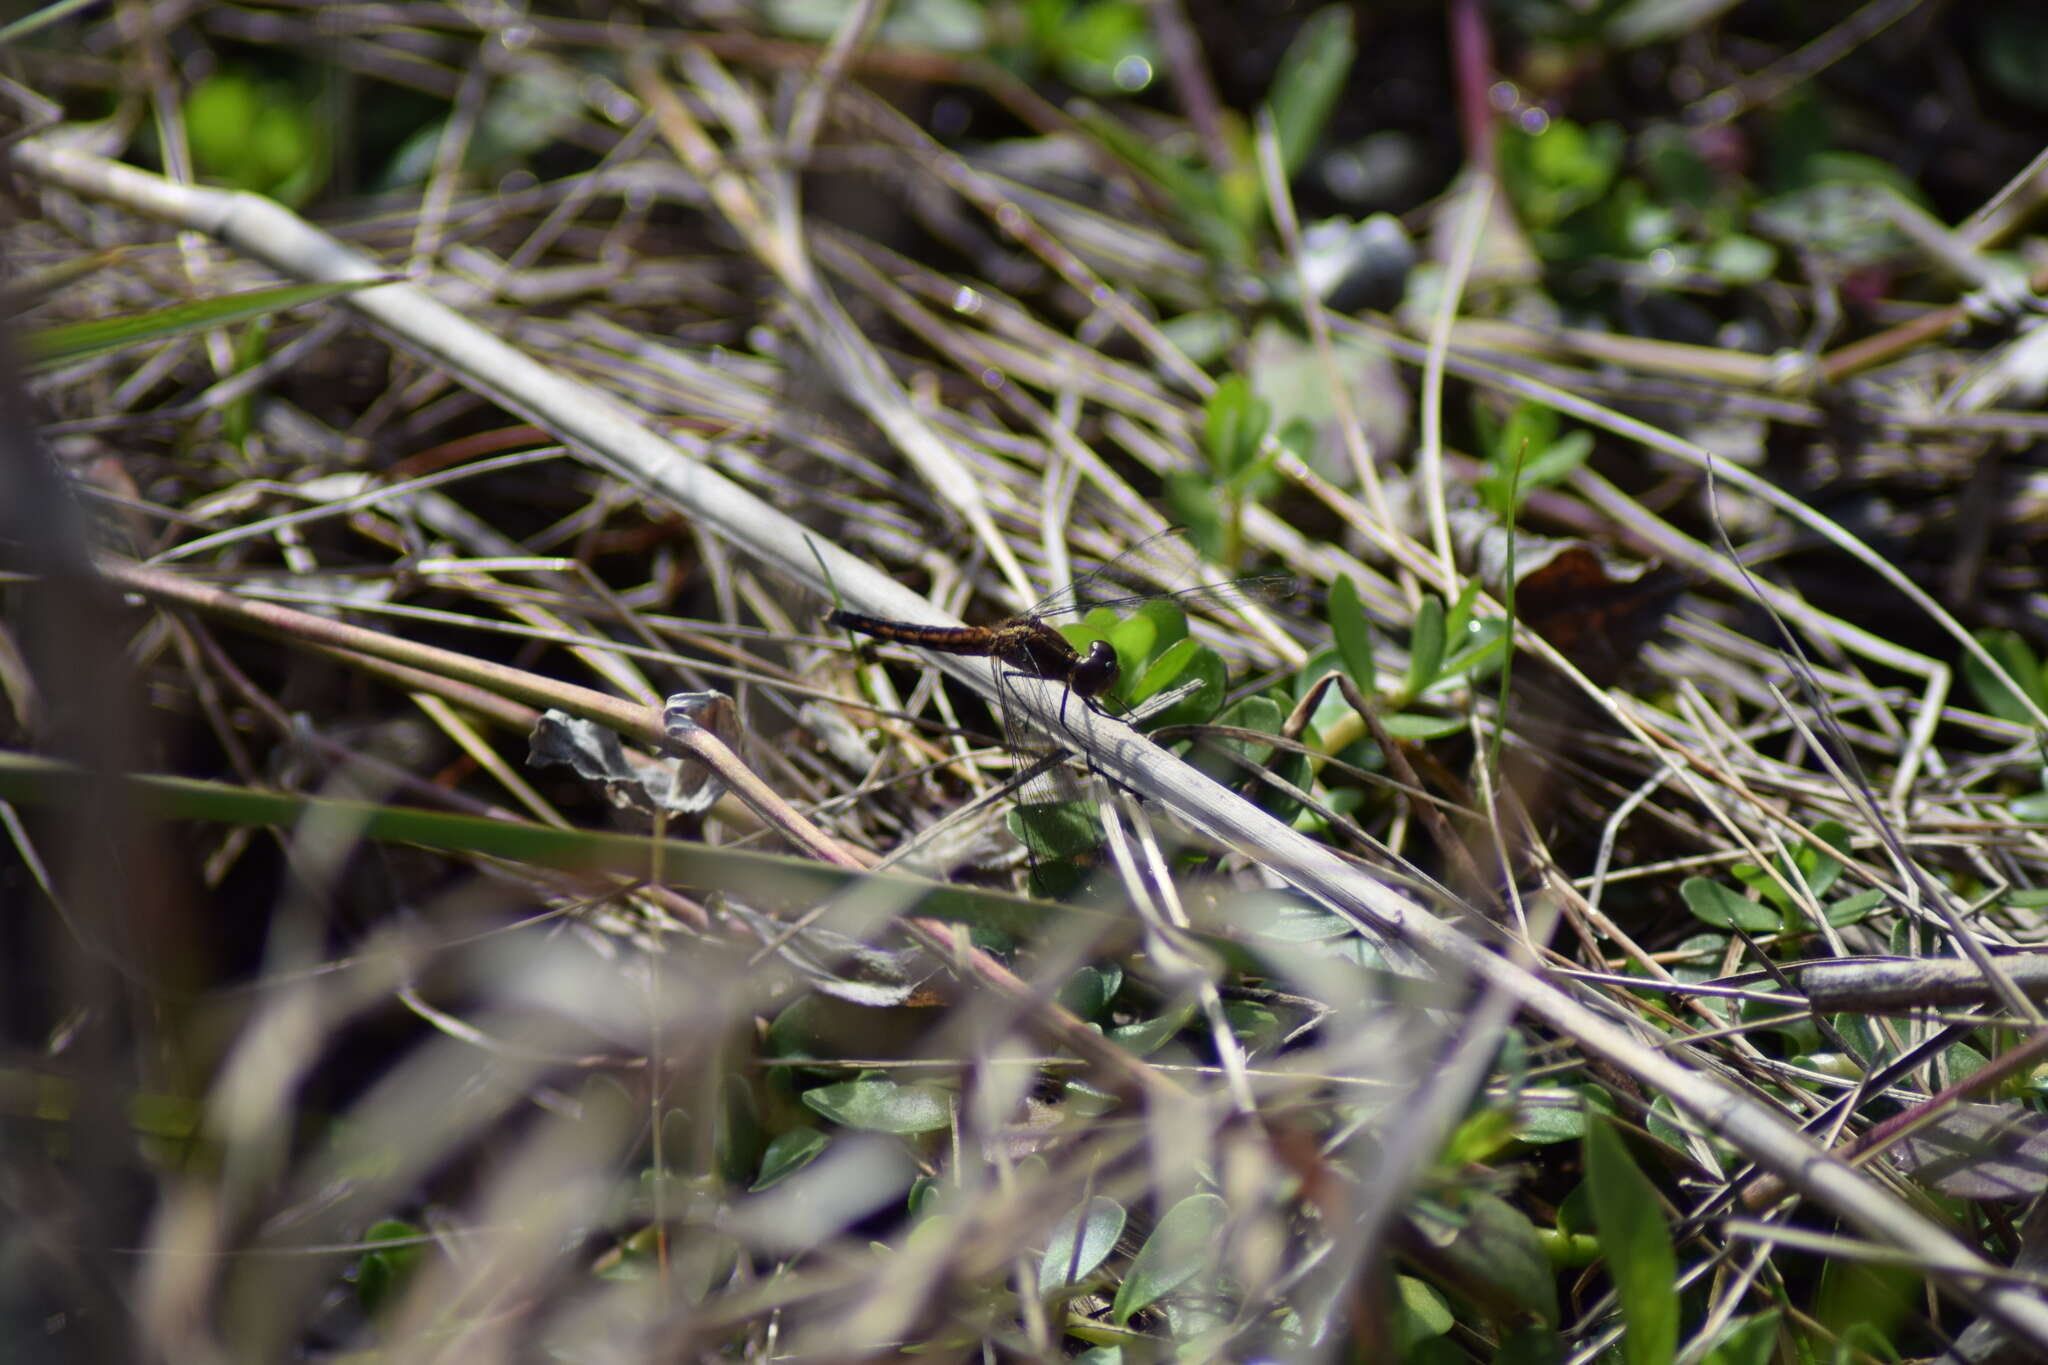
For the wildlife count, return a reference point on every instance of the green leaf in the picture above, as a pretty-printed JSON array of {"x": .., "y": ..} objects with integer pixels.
[
  {"x": 1056, "y": 830},
  {"x": 2016, "y": 659},
  {"x": 1853, "y": 909},
  {"x": 1194, "y": 502},
  {"x": 1253, "y": 1025},
  {"x": 1548, "y": 1116},
  {"x": 1764, "y": 883},
  {"x": 238, "y": 417},
  {"x": 1410, "y": 725},
  {"x": 1525, "y": 1344},
  {"x": 738, "y": 1143},
  {"x": 50, "y": 347},
  {"x": 1138, "y": 643},
  {"x": 1525, "y": 454},
  {"x": 1231, "y": 760},
  {"x": 1148, "y": 1036},
  {"x": 1287, "y": 920},
  {"x": 1552, "y": 174},
  {"x": 1199, "y": 195},
  {"x": 1458, "y": 629},
  {"x": 1104, "y": 47},
  {"x": 1715, "y": 904},
  {"x": 1675, "y": 168},
  {"x": 1478, "y": 1138},
  {"x": 1494, "y": 1242},
  {"x": 1080, "y": 1242},
  {"x": 1963, "y": 1061},
  {"x": 1742, "y": 260},
  {"x": 1485, "y": 646},
  {"x": 176, "y": 1118},
  {"x": 1528, "y": 426},
  {"x": 1425, "y": 646},
  {"x": 258, "y": 135},
  {"x": 789, "y": 1153},
  {"x": 1353, "y": 635},
  {"x": 1187, "y": 661},
  {"x": 1236, "y": 423},
  {"x": 1556, "y": 462},
  {"x": 1747, "y": 1341},
  {"x": 926, "y": 1199},
  {"x": 883, "y": 1106},
  {"x": 955, "y": 26},
  {"x": 1089, "y": 990},
  {"x": 1311, "y": 77},
  {"x": 1816, "y": 860},
  {"x": 1204, "y": 336},
  {"x": 1637, "y": 1243},
  {"x": 1261, "y": 713},
  {"x": 1183, "y": 1246},
  {"x": 382, "y": 1274},
  {"x": 1166, "y": 624},
  {"x": 1422, "y": 1313}
]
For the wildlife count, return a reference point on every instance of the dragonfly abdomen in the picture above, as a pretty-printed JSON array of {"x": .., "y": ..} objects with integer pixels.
[{"x": 951, "y": 639}]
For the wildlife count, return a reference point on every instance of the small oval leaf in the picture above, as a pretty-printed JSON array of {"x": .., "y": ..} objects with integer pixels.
[
  {"x": 1180, "y": 1248},
  {"x": 1080, "y": 1242},
  {"x": 882, "y": 1106},
  {"x": 1713, "y": 903},
  {"x": 1354, "y": 638},
  {"x": 1426, "y": 645},
  {"x": 787, "y": 1154}
]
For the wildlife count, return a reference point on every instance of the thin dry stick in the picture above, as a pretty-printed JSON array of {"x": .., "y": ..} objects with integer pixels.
[{"x": 642, "y": 723}]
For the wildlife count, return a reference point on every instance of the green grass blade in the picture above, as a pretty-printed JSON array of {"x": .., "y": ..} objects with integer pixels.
[{"x": 49, "y": 347}]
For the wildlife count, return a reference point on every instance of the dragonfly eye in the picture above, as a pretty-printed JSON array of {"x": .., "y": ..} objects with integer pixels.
[{"x": 1096, "y": 672}]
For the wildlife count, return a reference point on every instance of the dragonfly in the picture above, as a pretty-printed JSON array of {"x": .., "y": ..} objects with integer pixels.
[{"x": 1030, "y": 645}]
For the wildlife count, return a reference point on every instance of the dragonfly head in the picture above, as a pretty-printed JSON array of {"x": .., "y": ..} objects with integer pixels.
[{"x": 1096, "y": 672}]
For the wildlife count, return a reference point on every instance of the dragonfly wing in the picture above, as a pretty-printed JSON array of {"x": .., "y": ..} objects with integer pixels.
[
  {"x": 1158, "y": 568},
  {"x": 1152, "y": 566},
  {"x": 1236, "y": 592},
  {"x": 1055, "y": 818}
]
